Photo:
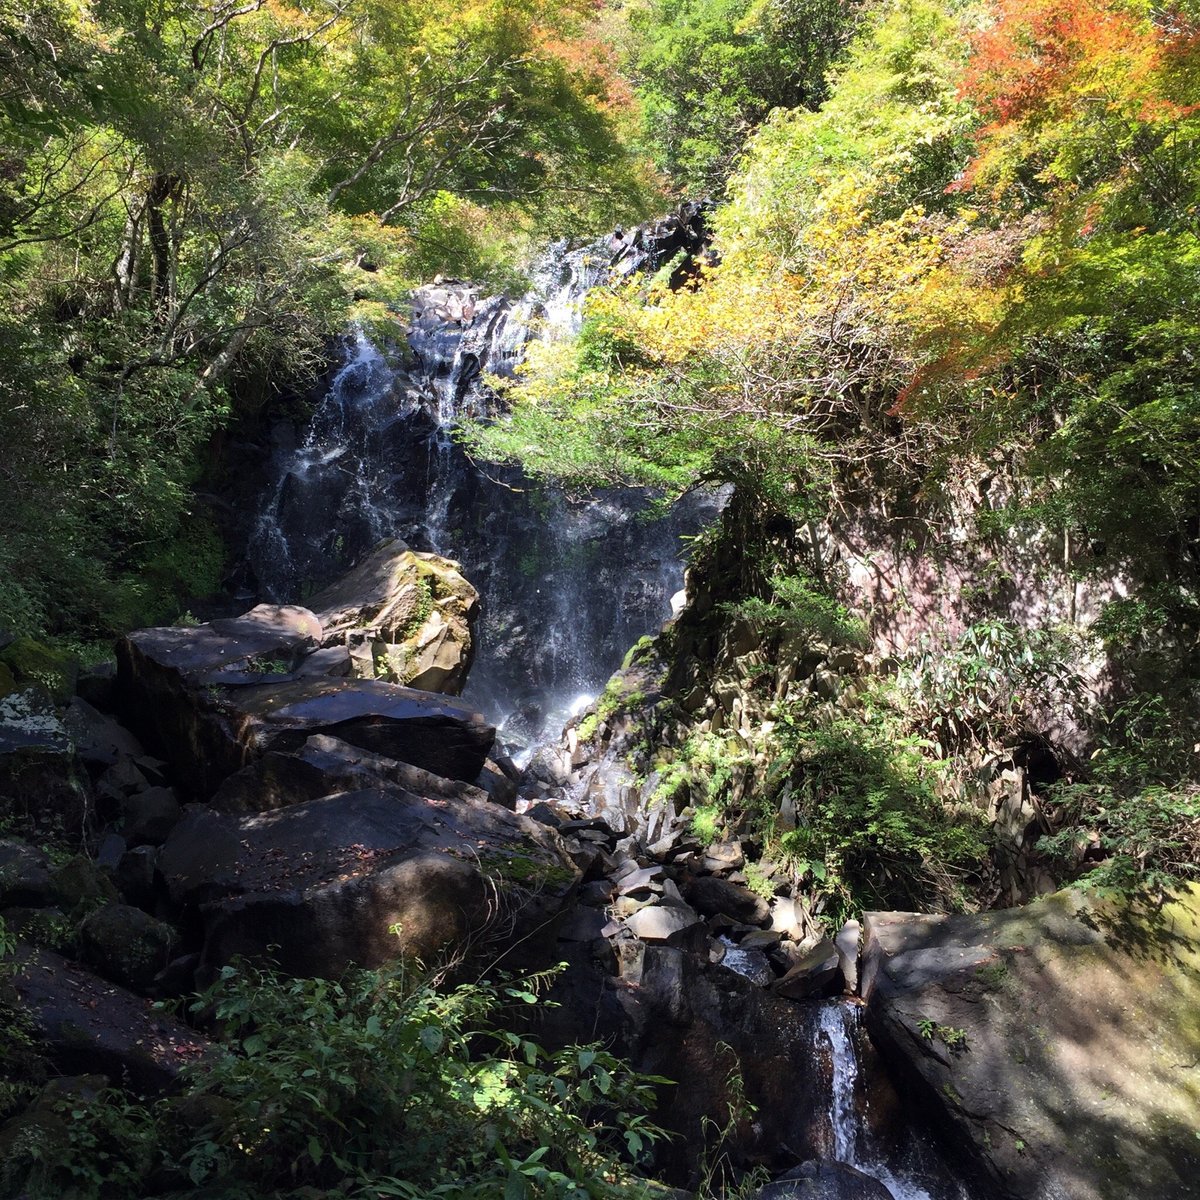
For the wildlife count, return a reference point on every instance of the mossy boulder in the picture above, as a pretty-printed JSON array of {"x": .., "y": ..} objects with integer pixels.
[
  {"x": 79, "y": 884},
  {"x": 32, "y": 662},
  {"x": 411, "y": 615},
  {"x": 126, "y": 945},
  {"x": 1057, "y": 1045}
]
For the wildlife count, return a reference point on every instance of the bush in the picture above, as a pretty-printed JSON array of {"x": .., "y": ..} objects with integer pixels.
[
  {"x": 871, "y": 832},
  {"x": 799, "y": 607},
  {"x": 1134, "y": 824},
  {"x": 374, "y": 1085}
]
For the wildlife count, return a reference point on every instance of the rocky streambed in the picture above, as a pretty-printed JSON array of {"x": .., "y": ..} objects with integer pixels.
[{"x": 273, "y": 785}]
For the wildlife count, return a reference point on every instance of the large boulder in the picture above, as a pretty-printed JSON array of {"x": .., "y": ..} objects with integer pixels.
[
  {"x": 24, "y": 874},
  {"x": 216, "y": 697},
  {"x": 366, "y": 876},
  {"x": 409, "y": 616},
  {"x": 126, "y": 944},
  {"x": 326, "y": 766},
  {"x": 1057, "y": 1045},
  {"x": 85, "y": 1024},
  {"x": 42, "y": 783}
]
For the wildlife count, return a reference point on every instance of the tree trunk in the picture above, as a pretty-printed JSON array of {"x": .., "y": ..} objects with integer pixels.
[{"x": 161, "y": 190}]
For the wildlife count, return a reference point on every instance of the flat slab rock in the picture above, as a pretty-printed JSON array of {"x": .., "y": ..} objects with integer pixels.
[
  {"x": 366, "y": 876},
  {"x": 86, "y": 1024},
  {"x": 1058, "y": 1044},
  {"x": 325, "y": 766},
  {"x": 216, "y": 697}
]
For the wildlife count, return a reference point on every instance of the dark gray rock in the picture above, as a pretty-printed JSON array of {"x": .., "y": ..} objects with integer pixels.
[
  {"x": 324, "y": 883},
  {"x": 1055, "y": 1044},
  {"x": 126, "y": 945},
  {"x": 41, "y": 779},
  {"x": 85, "y": 1024},
  {"x": 598, "y": 892},
  {"x": 215, "y": 697},
  {"x": 148, "y": 817},
  {"x": 818, "y": 973},
  {"x": 328, "y": 766},
  {"x": 24, "y": 874},
  {"x": 710, "y": 895},
  {"x": 135, "y": 875},
  {"x": 108, "y": 853},
  {"x": 497, "y": 783},
  {"x": 582, "y": 925},
  {"x": 80, "y": 883},
  {"x": 665, "y": 923},
  {"x": 98, "y": 738},
  {"x": 641, "y": 879}
]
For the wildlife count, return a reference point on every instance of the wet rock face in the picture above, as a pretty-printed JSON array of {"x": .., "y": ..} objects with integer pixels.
[
  {"x": 1055, "y": 1044},
  {"x": 378, "y": 459},
  {"x": 217, "y": 697},
  {"x": 362, "y": 877}
]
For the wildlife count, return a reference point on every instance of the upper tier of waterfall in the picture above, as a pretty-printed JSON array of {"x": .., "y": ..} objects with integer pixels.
[{"x": 567, "y": 587}]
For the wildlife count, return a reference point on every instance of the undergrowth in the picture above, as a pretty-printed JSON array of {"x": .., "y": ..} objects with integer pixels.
[{"x": 377, "y": 1085}]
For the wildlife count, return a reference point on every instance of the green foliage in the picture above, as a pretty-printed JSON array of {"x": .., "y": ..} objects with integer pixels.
[
  {"x": 988, "y": 685},
  {"x": 186, "y": 197},
  {"x": 375, "y": 1085},
  {"x": 871, "y": 831},
  {"x": 955, "y": 1039},
  {"x": 1134, "y": 823},
  {"x": 799, "y": 608},
  {"x": 708, "y": 71}
]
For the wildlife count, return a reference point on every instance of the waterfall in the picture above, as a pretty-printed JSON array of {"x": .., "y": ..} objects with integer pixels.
[
  {"x": 567, "y": 587},
  {"x": 843, "y": 1120},
  {"x": 903, "y": 1163}
]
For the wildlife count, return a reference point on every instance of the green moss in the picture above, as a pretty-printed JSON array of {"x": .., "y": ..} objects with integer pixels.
[
  {"x": 706, "y": 823},
  {"x": 992, "y": 975},
  {"x": 526, "y": 871},
  {"x": 31, "y": 661}
]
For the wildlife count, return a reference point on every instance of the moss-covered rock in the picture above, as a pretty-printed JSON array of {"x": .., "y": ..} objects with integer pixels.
[
  {"x": 33, "y": 662},
  {"x": 80, "y": 885},
  {"x": 415, "y": 612},
  {"x": 126, "y": 945},
  {"x": 1057, "y": 1044}
]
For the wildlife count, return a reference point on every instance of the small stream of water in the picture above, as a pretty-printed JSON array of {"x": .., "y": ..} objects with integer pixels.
[{"x": 902, "y": 1161}]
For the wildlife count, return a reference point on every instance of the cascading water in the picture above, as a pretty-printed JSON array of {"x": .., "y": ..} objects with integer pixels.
[
  {"x": 902, "y": 1162},
  {"x": 567, "y": 588}
]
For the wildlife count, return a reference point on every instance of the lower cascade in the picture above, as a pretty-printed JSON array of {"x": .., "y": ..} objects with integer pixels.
[{"x": 904, "y": 1160}]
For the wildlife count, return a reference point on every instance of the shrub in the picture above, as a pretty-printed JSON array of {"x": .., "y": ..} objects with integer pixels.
[
  {"x": 375, "y": 1085},
  {"x": 871, "y": 832}
]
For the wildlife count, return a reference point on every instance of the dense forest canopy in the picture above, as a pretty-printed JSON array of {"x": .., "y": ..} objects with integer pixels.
[
  {"x": 185, "y": 192},
  {"x": 946, "y": 330}
]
